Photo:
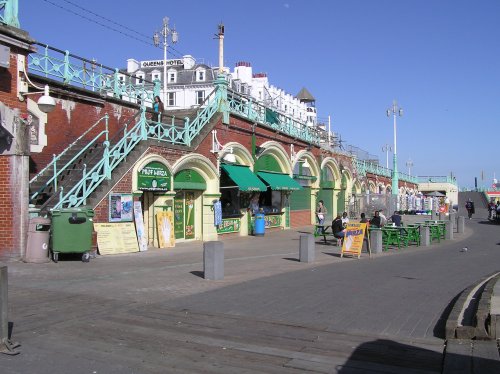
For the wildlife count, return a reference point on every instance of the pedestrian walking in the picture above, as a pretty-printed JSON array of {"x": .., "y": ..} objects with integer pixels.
[
  {"x": 321, "y": 212},
  {"x": 158, "y": 109},
  {"x": 469, "y": 205}
]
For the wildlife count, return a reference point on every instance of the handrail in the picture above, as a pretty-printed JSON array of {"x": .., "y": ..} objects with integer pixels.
[
  {"x": 78, "y": 194},
  {"x": 106, "y": 116},
  {"x": 89, "y": 74}
]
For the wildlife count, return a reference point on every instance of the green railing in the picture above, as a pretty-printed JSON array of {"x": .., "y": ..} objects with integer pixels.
[
  {"x": 437, "y": 179},
  {"x": 245, "y": 107},
  {"x": 53, "y": 165},
  {"x": 9, "y": 12},
  {"x": 73, "y": 70}
]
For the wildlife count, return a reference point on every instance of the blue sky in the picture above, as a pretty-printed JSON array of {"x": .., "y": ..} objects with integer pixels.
[{"x": 438, "y": 58}]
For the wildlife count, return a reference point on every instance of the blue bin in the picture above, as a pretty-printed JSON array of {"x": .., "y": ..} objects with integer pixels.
[{"x": 259, "y": 226}]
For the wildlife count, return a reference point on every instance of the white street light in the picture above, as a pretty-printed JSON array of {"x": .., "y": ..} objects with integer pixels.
[
  {"x": 395, "y": 110},
  {"x": 409, "y": 165},
  {"x": 387, "y": 148},
  {"x": 174, "y": 36}
]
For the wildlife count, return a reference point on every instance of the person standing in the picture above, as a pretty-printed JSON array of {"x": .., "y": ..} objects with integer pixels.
[
  {"x": 383, "y": 218},
  {"x": 321, "y": 212},
  {"x": 158, "y": 109},
  {"x": 469, "y": 205}
]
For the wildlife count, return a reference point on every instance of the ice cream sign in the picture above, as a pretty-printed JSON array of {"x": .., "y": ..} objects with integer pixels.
[{"x": 155, "y": 176}]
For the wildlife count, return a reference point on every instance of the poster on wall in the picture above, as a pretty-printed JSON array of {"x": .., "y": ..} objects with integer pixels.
[
  {"x": 189, "y": 227},
  {"x": 120, "y": 207},
  {"x": 142, "y": 237},
  {"x": 179, "y": 217},
  {"x": 165, "y": 225},
  {"x": 116, "y": 238}
]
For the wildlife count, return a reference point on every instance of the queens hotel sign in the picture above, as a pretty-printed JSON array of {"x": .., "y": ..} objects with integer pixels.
[{"x": 159, "y": 63}]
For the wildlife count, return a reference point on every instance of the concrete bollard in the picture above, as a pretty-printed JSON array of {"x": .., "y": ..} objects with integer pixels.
[
  {"x": 213, "y": 260},
  {"x": 453, "y": 219},
  {"x": 376, "y": 241},
  {"x": 4, "y": 322},
  {"x": 449, "y": 230},
  {"x": 306, "y": 250},
  {"x": 461, "y": 225},
  {"x": 425, "y": 236}
]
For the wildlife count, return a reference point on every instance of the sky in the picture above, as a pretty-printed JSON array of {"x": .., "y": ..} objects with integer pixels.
[{"x": 438, "y": 58}]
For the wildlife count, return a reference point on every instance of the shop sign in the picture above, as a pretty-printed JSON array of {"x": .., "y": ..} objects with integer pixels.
[
  {"x": 304, "y": 177},
  {"x": 273, "y": 220},
  {"x": 229, "y": 225},
  {"x": 154, "y": 177}
]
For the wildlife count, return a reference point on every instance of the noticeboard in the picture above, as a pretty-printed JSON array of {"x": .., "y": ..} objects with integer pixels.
[
  {"x": 354, "y": 239},
  {"x": 165, "y": 225},
  {"x": 116, "y": 238}
]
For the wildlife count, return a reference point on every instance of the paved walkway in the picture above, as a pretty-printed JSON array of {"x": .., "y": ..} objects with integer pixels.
[{"x": 152, "y": 312}]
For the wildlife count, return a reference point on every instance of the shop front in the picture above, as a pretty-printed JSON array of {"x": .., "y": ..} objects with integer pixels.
[
  {"x": 154, "y": 192},
  {"x": 326, "y": 192},
  {"x": 189, "y": 186},
  {"x": 274, "y": 201},
  {"x": 238, "y": 185}
]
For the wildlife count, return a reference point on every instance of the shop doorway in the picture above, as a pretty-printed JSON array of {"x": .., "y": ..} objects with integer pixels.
[{"x": 184, "y": 214}]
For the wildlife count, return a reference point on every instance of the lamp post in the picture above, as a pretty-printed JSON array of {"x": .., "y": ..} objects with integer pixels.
[
  {"x": 395, "y": 110},
  {"x": 409, "y": 165},
  {"x": 165, "y": 32},
  {"x": 387, "y": 148}
]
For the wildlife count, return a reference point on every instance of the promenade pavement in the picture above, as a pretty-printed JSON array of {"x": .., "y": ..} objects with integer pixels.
[{"x": 152, "y": 312}]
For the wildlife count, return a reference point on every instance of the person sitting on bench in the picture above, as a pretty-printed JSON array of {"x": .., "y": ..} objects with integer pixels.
[{"x": 338, "y": 228}]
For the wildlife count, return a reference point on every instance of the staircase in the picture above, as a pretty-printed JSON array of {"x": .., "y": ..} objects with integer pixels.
[{"x": 87, "y": 170}]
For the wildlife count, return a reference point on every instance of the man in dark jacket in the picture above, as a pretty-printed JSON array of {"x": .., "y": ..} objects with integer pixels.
[{"x": 375, "y": 221}]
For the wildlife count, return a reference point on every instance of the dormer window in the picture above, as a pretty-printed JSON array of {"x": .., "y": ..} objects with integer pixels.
[
  {"x": 155, "y": 75},
  {"x": 200, "y": 75},
  {"x": 172, "y": 77},
  {"x": 139, "y": 78}
]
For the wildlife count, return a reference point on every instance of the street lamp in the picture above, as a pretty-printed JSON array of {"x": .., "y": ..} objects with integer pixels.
[
  {"x": 165, "y": 32},
  {"x": 409, "y": 165},
  {"x": 387, "y": 148},
  {"x": 395, "y": 110}
]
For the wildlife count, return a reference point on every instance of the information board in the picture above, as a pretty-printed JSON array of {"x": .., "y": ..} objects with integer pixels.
[
  {"x": 354, "y": 238},
  {"x": 115, "y": 238}
]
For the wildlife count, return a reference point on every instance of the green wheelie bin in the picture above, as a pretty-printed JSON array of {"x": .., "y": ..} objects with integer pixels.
[{"x": 72, "y": 232}]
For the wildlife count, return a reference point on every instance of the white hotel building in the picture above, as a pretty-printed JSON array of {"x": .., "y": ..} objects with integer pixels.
[{"x": 189, "y": 83}]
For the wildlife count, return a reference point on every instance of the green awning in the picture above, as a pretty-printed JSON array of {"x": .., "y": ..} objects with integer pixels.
[
  {"x": 244, "y": 178},
  {"x": 279, "y": 182},
  {"x": 189, "y": 180}
]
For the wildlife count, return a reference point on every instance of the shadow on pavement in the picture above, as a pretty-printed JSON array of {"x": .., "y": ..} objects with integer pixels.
[
  {"x": 439, "y": 328},
  {"x": 291, "y": 259},
  {"x": 388, "y": 356},
  {"x": 198, "y": 273},
  {"x": 332, "y": 254}
]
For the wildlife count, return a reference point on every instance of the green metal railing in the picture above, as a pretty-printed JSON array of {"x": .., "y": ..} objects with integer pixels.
[
  {"x": 9, "y": 12},
  {"x": 76, "y": 71},
  {"x": 437, "y": 179},
  {"x": 53, "y": 165},
  {"x": 245, "y": 107}
]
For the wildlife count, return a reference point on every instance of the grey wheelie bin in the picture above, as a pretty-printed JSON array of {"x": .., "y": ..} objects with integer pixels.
[{"x": 72, "y": 232}]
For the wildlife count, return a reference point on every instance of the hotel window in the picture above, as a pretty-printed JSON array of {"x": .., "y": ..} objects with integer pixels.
[
  {"x": 171, "y": 99},
  {"x": 139, "y": 79},
  {"x": 171, "y": 77},
  {"x": 200, "y": 97},
  {"x": 200, "y": 75},
  {"x": 156, "y": 77}
]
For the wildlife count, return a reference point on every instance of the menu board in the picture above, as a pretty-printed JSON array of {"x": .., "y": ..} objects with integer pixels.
[
  {"x": 164, "y": 223},
  {"x": 354, "y": 238},
  {"x": 115, "y": 238}
]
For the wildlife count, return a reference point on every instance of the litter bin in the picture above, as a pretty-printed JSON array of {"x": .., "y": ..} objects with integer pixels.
[
  {"x": 37, "y": 247},
  {"x": 72, "y": 232},
  {"x": 259, "y": 224}
]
